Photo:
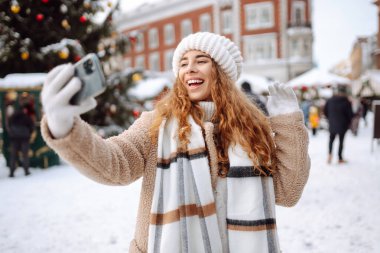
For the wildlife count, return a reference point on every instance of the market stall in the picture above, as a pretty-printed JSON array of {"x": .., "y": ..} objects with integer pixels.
[{"x": 24, "y": 89}]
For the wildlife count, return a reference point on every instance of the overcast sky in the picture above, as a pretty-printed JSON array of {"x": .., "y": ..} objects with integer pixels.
[{"x": 336, "y": 25}]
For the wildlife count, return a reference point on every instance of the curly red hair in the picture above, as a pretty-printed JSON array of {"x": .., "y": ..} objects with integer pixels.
[{"x": 236, "y": 118}]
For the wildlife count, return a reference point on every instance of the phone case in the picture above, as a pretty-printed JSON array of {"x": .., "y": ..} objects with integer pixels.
[{"x": 89, "y": 71}]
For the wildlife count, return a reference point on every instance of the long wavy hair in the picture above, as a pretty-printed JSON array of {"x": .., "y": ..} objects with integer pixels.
[{"x": 236, "y": 119}]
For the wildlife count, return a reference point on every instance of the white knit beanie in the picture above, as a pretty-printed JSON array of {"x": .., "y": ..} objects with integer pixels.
[{"x": 221, "y": 49}]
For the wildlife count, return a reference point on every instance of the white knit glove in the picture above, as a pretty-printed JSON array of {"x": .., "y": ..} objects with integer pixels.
[
  {"x": 60, "y": 85},
  {"x": 281, "y": 100}
]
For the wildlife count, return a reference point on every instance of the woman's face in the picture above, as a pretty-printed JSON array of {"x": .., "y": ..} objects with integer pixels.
[{"x": 195, "y": 69}]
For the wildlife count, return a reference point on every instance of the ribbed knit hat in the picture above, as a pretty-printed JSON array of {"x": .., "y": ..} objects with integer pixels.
[{"x": 221, "y": 49}]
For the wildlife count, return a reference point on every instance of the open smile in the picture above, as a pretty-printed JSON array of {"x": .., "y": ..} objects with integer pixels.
[{"x": 194, "y": 83}]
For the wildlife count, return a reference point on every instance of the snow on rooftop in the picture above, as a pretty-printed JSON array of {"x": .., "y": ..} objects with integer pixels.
[
  {"x": 22, "y": 80},
  {"x": 149, "y": 88}
]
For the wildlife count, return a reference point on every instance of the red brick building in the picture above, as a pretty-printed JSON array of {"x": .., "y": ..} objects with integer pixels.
[{"x": 275, "y": 36}]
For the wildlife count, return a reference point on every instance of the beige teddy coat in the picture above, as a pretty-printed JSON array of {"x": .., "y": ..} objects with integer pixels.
[{"x": 122, "y": 159}]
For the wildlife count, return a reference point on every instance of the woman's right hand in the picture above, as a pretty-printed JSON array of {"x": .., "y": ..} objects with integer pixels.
[{"x": 59, "y": 87}]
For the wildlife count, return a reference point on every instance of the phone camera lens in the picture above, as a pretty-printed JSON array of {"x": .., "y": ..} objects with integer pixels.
[{"x": 88, "y": 66}]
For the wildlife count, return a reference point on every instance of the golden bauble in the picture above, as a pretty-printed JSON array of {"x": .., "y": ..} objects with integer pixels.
[
  {"x": 25, "y": 56},
  {"x": 136, "y": 77},
  {"x": 63, "y": 54},
  {"x": 65, "y": 24},
  {"x": 15, "y": 8}
]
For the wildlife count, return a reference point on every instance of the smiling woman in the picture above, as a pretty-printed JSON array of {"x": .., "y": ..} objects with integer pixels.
[
  {"x": 195, "y": 72},
  {"x": 213, "y": 165}
]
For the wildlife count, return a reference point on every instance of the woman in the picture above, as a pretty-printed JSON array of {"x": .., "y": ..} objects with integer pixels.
[{"x": 212, "y": 164}]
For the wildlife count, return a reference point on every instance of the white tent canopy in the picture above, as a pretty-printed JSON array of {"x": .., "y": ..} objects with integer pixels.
[{"x": 318, "y": 78}]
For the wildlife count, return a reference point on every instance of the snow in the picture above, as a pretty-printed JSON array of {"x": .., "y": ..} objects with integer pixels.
[
  {"x": 149, "y": 88},
  {"x": 59, "y": 210},
  {"x": 21, "y": 80},
  {"x": 316, "y": 77}
]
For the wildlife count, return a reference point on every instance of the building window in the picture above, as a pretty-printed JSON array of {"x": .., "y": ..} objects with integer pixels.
[
  {"x": 298, "y": 13},
  {"x": 139, "y": 42},
  {"x": 140, "y": 62},
  {"x": 154, "y": 61},
  {"x": 186, "y": 28},
  {"x": 205, "y": 22},
  {"x": 169, "y": 34},
  {"x": 168, "y": 59},
  {"x": 153, "y": 38},
  {"x": 227, "y": 21},
  {"x": 259, "y": 15},
  {"x": 260, "y": 47},
  {"x": 300, "y": 47}
]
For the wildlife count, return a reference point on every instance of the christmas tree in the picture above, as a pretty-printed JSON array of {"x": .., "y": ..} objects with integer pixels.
[
  {"x": 36, "y": 35},
  {"x": 115, "y": 111},
  {"x": 40, "y": 34}
]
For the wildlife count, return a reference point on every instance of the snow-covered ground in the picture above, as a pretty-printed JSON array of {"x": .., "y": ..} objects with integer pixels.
[{"x": 59, "y": 210}]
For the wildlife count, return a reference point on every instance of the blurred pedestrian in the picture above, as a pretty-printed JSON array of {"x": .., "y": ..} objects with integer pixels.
[
  {"x": 306, "y": 102},
  {"x": 212, "y": 168},
  {"x": 255, "y": 99},
  {"x": 366, "y": 104},
  {"x": 338, "y": 111},
  {"x": 314, "y": 119},
  {"x": 357, "y": 109},
  {"x": 20, "y": 128}
]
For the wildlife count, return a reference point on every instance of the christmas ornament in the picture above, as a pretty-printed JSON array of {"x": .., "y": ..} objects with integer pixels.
[
  {"x": 45, "y": 1},
  {"x": 113, "y": 109},
  {"x": 136, "y": 77},
  {"x": 39, "y": 17},
  {"x": 65, "y": 24},
  {"x": 135, "y": 113},
  {"x": 77, "y": 58},
  {"x": 63, "y": 8},
  {"x": 25, "y": 55},
  {"x": 63, "y": 53},
  {"x": 83, "y": 19},
  {"x": 15, "y": 8}
]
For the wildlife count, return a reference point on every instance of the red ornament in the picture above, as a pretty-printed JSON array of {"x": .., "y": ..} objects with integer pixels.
[
  {"x": 45, "y": 1},
  {"x": 82, "y": 19},
  {"x": 304, "y": 88},
  {"x": 77, "y": 58},
  {"x": 40, "y": 17},
  {"x": 136, "y": 113}
]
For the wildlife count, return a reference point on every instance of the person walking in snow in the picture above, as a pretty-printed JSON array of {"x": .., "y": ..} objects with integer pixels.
[
  {"x": 20, "y": 128},
  {"x": 246, "y": 88},
  {"x": 338, "y": 111},
  {"x": 213, "y": 165},
  {"x": 314, "y": 119}
]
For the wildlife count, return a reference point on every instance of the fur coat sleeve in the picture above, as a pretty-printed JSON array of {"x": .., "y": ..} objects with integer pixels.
[
  {"x": 118, "y": 160},
  {"x": 293, "y": 166}
]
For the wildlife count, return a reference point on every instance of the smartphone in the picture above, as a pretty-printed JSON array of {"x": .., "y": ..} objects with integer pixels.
[{"x": 89, "y": 71}]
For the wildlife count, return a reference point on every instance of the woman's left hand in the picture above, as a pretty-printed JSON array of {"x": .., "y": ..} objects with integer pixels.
[{"x": 281, "y": 100}]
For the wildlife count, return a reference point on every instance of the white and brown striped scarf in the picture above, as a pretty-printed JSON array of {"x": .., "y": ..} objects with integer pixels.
[{"x": 183, "y": 215}]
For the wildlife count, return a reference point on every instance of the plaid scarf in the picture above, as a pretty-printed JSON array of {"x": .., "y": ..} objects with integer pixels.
[{"x": 183, "y": 215}]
